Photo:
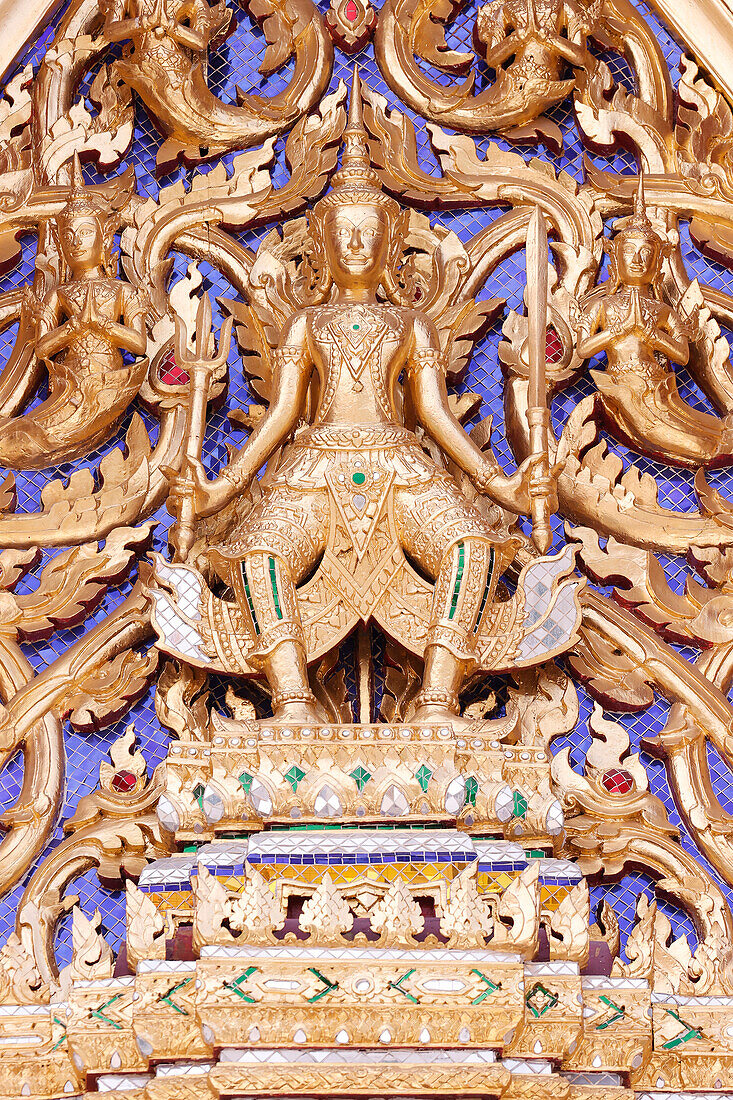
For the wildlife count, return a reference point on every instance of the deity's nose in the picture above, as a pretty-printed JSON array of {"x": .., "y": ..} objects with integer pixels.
[{"x": 355, "y": 241}]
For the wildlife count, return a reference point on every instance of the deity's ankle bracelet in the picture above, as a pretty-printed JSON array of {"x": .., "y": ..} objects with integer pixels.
[
  {"x": 448, "y": 699},
  {"x": 282, "y": 697}
]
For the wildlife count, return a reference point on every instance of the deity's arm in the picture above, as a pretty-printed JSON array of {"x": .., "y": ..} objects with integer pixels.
[
  {"x": 293, "y": 367},
  {"x": 131, "y": 335},
  {"x": 498, "y": 53},
  {"x": 119, "y": 24},
  {"x": 52, "y": 336},
  {"x": 670, "y": 339},
  {"x": 492, "y": 28},
  {"x": 425, "y": 377},
  {"x": 573, "y": 52},
  {"x": 593, "y": 336},
  {"x": 194, "y": 33}
]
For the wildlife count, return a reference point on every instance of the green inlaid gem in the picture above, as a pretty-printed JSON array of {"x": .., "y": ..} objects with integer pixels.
[
  {"x": 63, "y": 1038},
  {"x": 294, "y": 776},
  {"x": 165, "y": 998},
  {"x": 423, "y": 776},
  {"x": 357, "y": 327},
  {"x": 487, "y": 589},
  {"x": 459, "y": 578},
  {"x": 273, "y": 582},
  {"x": 358, "y": 478},
  {"x": 692, "y": 1032},
  {"x": 471, "y": 790},
  {"x": 329, "y": 985},
  {"x": 520, "y": 804},
  {"x": 245, "y": 780},
  {"x": 105, "y": 1019},
  {"x": 540, "y": 1000},
  {"x": 398, "y": 986},
  {"x": 238, "y": 982},
  {"x": 619, "y": 1012},
  {"x": 491, "y": 987},
  {"x": 198, "y": 794},
  {"x": 250, "y": 603},
  {"x": 361, "y": 777}
]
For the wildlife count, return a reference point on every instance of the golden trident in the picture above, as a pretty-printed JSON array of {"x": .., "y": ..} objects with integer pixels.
[
  {"x": 201, "y": 362},
  {"x": 538, "y": 414}
]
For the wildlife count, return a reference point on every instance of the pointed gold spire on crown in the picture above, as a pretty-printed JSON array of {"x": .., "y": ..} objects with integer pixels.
[
  {"x": 638, "y": 222},
  {"x": 82, "y": 201},
  {"x": 356, "y": 180}
]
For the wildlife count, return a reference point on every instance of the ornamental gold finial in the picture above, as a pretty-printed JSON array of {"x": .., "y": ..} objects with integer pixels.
[
  {"x": 82, "y": 201},
  {"x": 639, "y": 221},
  {"x": 356, "y": 165},
  {"x": 356, "y": 179}
]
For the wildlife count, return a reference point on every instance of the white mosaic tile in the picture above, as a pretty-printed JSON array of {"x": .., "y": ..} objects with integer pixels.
[
  {"x": 175, "y": 869},
  {"x": 486, "y": 957},
  {"x": 558, "y": 868},
  {"x": 526, "y": 1066},
  {"x": 185, "y": 1069},
  {"x": 499, "y": 851},
  {"x": 223, "y": 853},
  {"x": 335, "y": 842},
  {"x": 538, "y": 969},
  {"x": 26, "y": 1010},
  {"x": 104, "y": 983},
  {"x": 122, "y": 1082},
  {"x": 595, "y": 981},
  {"x": 334, "y": 1056},
  {"x": 166, "y": 966},
  {"x": 603, "y": 1078},
  {"x": 678, "y": 999}
]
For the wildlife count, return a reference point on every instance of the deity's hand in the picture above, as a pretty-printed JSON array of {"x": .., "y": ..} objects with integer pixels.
[
  {"x": 539, "y": 479},
  {"x": 634, "y": 323},
  {"x": 94, "y": 318},
  {"x": 209, "y": 497},
  {"x": 158, "y": 21},
  {"x": 533, "y": 479}
]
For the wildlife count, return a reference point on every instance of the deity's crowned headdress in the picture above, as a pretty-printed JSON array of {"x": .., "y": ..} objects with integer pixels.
[
  {"x": 82, "y": 201},
  {"x": 356, "y": 180},
  {"x": 638, "y": 222}
]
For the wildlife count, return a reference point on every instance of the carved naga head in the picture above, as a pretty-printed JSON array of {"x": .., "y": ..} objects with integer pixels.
[
  {"x": 357, "y": 231},
  {"x": 637, "y": 250},
  {"x": 85, "y": 228}
]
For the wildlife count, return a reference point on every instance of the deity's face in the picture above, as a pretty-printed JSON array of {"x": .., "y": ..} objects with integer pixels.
[
  {"x": 82, "y": 243},
  {"x": 356, "y": 240},
  {"x": 637, "y": 258}
]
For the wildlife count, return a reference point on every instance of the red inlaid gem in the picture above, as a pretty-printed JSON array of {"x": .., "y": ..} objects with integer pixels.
[
  {"x": 351, "y": 11},
  {"x": 123, "y": 781},
  {"x": 618, "y": 781},
  {"x": 170, "y": 373},
  {"x": 553, "y": 347}
]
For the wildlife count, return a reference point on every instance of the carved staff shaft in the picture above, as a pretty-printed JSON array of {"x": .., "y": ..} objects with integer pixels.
[
  {"x": 200, "y": 376},
  {"x": 200, "y": 366},
  {"x": 538, "y": 414}
]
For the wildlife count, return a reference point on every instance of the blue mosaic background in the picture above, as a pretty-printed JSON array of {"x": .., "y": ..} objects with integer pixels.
[{"x": 235, "y": 63}]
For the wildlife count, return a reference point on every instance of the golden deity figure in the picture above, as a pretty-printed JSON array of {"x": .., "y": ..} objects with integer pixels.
[
  {"x": 165, "y": 61},
  {"x": 169, "y": 35},
  {"x": 355, "y": 519},
  {"x": 87, "y": 322},
  {"x": 531, "y": 44},
  {"x": 640, "y": 334}
]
